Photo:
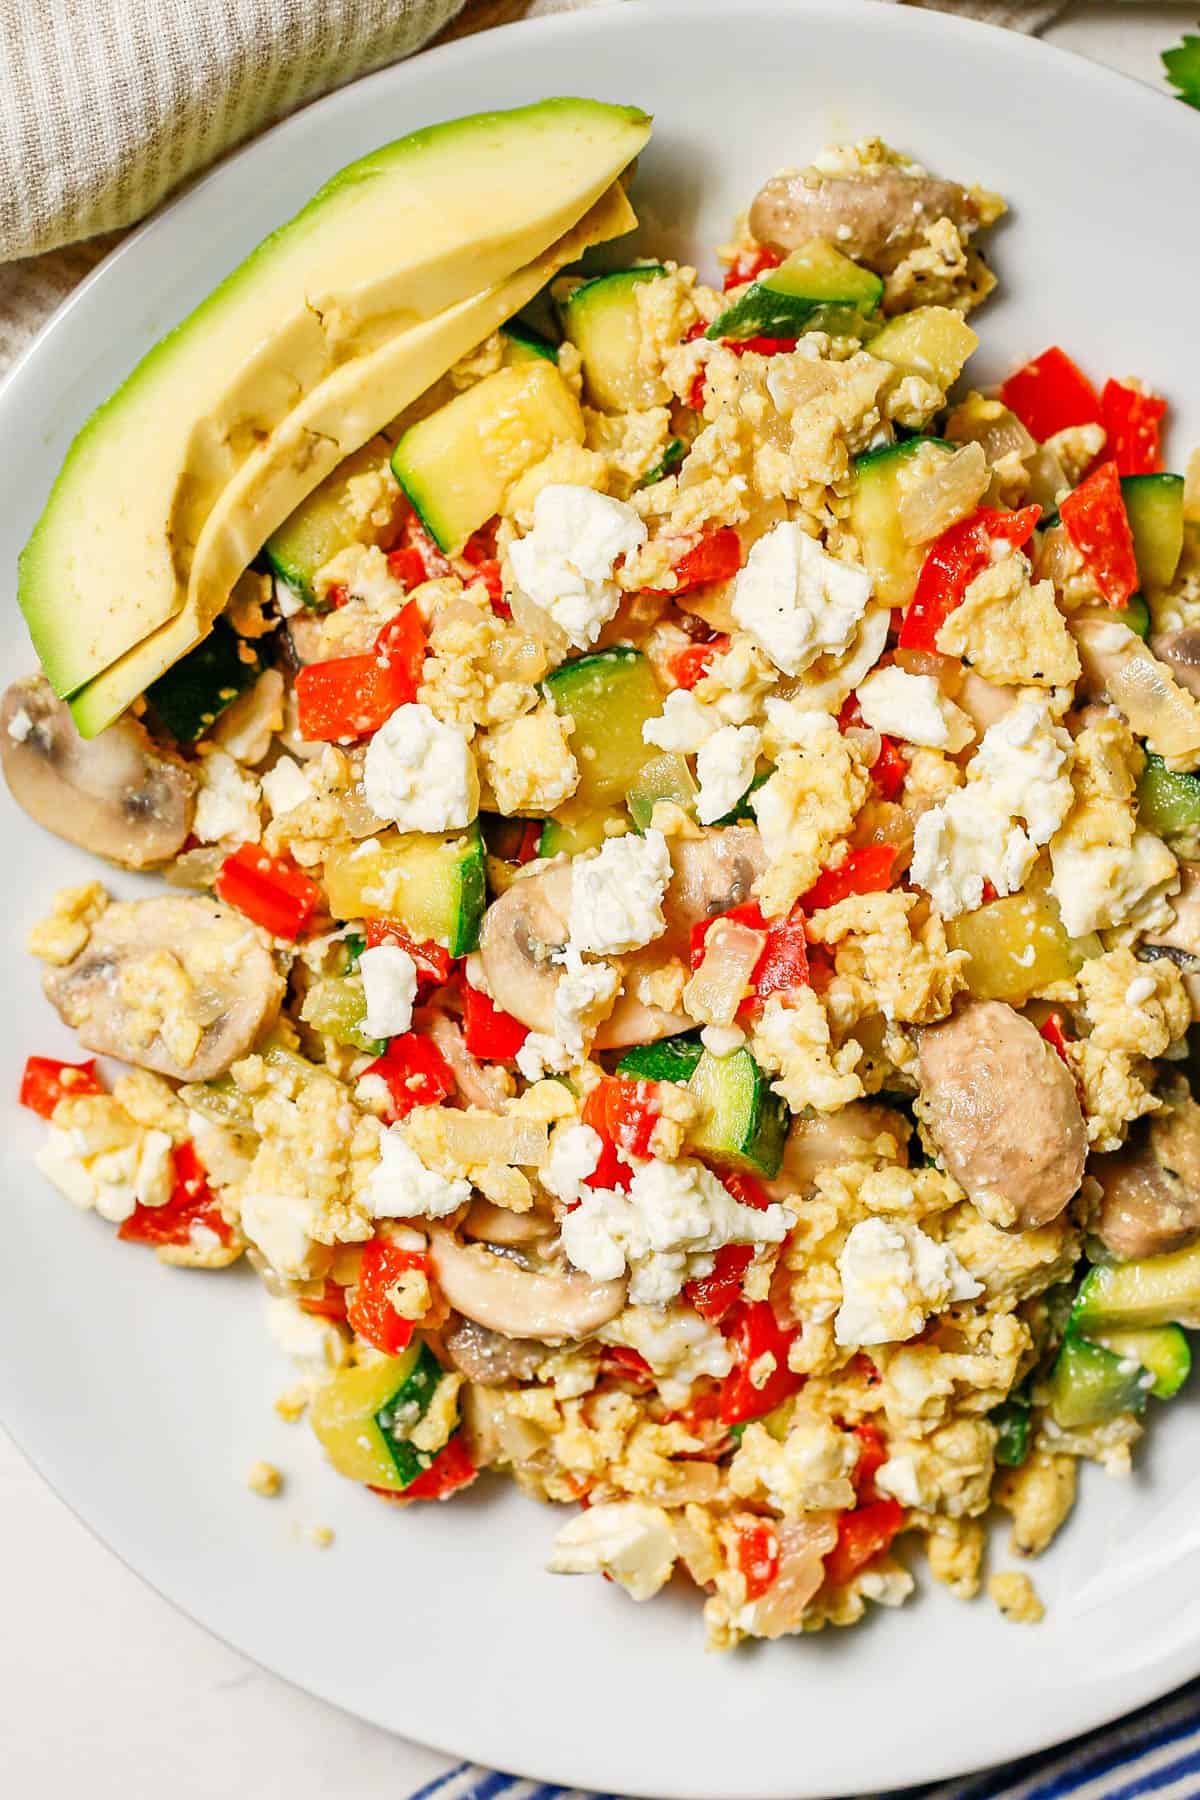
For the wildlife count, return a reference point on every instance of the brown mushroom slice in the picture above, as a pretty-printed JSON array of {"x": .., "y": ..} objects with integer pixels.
[
  {"x": 177, "y": 984},
  {"x": 1181, "y": 939},
  {"x": 1151, "y": 1187},
  {"x": 710, "y": 874},
  {"x": 518, "y": 1302},
  {"x": 826, "y": 1139},
  {"x": 1002, "y": 1108},
  {"x": 1118, "y": 666},
  {"x": 492, "y": 1224},
  {"x": 875, "y": 217},
  {"x": 1180, "y": 650},
  {"x": 489, "y": 1357},
  {"x": 116, "y": 794}
]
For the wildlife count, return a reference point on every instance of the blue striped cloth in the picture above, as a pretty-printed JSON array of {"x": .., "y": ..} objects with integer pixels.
[{"x": 1153, "y": 1752}]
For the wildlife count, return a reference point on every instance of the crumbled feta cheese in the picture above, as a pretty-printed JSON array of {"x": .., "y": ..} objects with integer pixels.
[
  {"x": 390, "y": 984},
  {"x": 684, "y": 724},
  {"x": 401, "y": 1187},
  {"x": 281, "y": 1225},
  {"x": 722, "y": 1040},
  {"x": 796, "y": 601},
  {"x": 1098, "y": 886},
  {"x": 893, "y": 1277},
  {"x": 20, "y": 725},
  {"x": 666, "y": 1229},
  {"x": 420, "y": 773},
  {"x": 285, "y": 787},
  {"x": 627, "y": 1539},
  {"x": 574, "y": 1155},
  {"x": 901, "y": 1477},
  {"x": 726, "y": 765},
  {"x": 541, "y": 1055},
  {"x": 227, "y": 804},
  {"x": 1025, "y": 760},
  {"x": 677, "y": 1343},
  {"x": 565, "y": 563},
  {"x": 154, "y": 1181},
  {"x": 914, "y": 708},
  {"x": 583, "y": 995},
  {"x": 617, "y": 894}
]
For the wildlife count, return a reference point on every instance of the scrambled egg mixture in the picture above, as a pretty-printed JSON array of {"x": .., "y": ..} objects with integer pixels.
[{"x": 682, "y": 933}]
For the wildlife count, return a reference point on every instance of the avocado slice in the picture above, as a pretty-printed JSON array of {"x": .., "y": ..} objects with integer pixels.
[
  {"x": 397, "y": 240},
  {"x": 339, "y": 416}
]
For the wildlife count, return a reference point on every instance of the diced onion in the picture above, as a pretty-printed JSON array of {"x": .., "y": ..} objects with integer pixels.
[
  {"x": 953, "y": 488},
  {"x": 478, "y": 1137},
  {"x": 803, "y": 1546},
  {"x": 722, "y": 981}
]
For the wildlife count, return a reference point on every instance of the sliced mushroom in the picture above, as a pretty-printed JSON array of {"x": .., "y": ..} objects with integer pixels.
[
  {"x": 491, "y": 1224},
  {"x": 823, "y": 1141},
  {"x": 1181, "y": 940},
  {"x": 711, "y": 874},
  {"x": 983, "y": 701},
  {"x": 1118, "y": 666},
  {"x": 876, "y": 217},
  {"x": 1002, "y": 1108},
  {"x": 1180, "y": 650},
  {"x": 177, "y": 984},
  {"x": 489, "y": 1357},
  {"x": 480, "y": 1084},
  {"x": 1151, "y": 1201},
  {"x": 116, "y": 794},
  {"x": 519, "y": 1302}
]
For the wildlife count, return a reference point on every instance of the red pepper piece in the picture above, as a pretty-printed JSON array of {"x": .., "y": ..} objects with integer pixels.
[
  {"x": 413, "y": 536},
  {"x": 407, "y": 565},
  {"x": 889, "y": 770},
  {"x": 951, "y": 564},
  {"x": 872, "y": 1455},
  {"x": 1055, "y": 1036},
  {"x": 370, "y": 1312},
  {"x": 338, "y": 595},
  {"x": 624, "y": 1112},
  {"x": 434, "y": 962},
  {"x": 1098, "y": 526},
  {"x": 783, "y": 964},
  {"x": 487, "y": 1032},
  {"x": 46, "y": 1081},
  {"x": 192, "y": 1203},
  {"x": 865, "y": 871},
  {"x": 756, "y": 1333},
  {"x": 716, "y": 557},
  {"x": 416, "y": 1074},
  {"x": 863, "y": 1535},
  {"x": 330, "y": 1303},
  {"x": 689, "y": 667},
  {"x": 760, "y": 346},
  {"x": 1131, "y": 424},
  {"x": 271, "y": 890},
  {"x": 757, "y": 1555},
  {"x": 352, "y": 696},
  {"x": 619, "y": 1359},
  {"x": 450, "y": 1470},
  {"x": 713, "y": 1295},
  {"x": 1050, "y": 393},
  {"x": 531, "y": 838},
  {"x": 749, "y": 264}
]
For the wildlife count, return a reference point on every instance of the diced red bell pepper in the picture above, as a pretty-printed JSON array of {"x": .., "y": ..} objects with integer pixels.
[
  {"x": 271, "y": 890},
  {"x": 1131, "y": 423},
  {"x": 415, "y": 1072},
  {"x": 951, "y": 564},
  {"x": 713, "y": 1295},
  {"x": 487, "y": 1032},
  {"x": 338, "y": 595},
  {"x": 352, "y": 696},
  {"x": 695, "y": 398},
  {"x": 1051, "y": 393},
  {"x": 689, "y": 667},
  {"x": 756, "y": 1333},
  {"x": 407, "y": 565},
  {"x": 760, "y": 346},
  {"x": 749, "y": 264},
  {"x": 717, "y": 556},
  {"x": 330, "y": 1303},
  {"x": 872, "y": 1454},
  {"x": 863, "y": 1535},
  {"x": 414, "y": 536},
  {"x": 1055, "y": 1036},
  {"x": 757, "y": 1555},
  {"x": 1098, "y": 525},
  {"x": 624, "y": 1112},
  {"x": 889, "y": 770},
  {"x": 192, "y": 1203},
  {"x": 619, "y": 1359},
  {"x": 531, "y": 838},
  {"x": 783, "y": 964},
  {"x": 480, "y": 551},
  {"x": 370, "y": 1312},
  {"x": 865, "y": 871},
  {"x": 450, "y": 1470},
  {"x": 434, "y": 962},
  {"x": 46, "y": 1081}
]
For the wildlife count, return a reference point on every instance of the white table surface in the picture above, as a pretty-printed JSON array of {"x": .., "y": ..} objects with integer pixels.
[{"x": 107, "y": 1691}]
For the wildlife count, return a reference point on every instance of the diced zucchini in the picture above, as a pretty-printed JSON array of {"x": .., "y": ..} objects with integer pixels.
[
  {"x": 576, "y": 828},
  {"x": 671, "y": 1059},
  {"x": 742, "y": 809},
  {"x": 743, "y": 1124},
  {"x": 336, "y": 1006},
  {"x": 1015, "y": 947},
  {"x": 600, "y": 317},
  {"x": 434, "y": 886},
  {"x": 933, "y": 341},
  {"x": 879, "y": 481},
  {"x": 664, "y": 777},
  {"x": 1162, "y": 1350},
  {"x": 457, "y": 464},
  {"x": 522, "y": 343},
  {"x": 1168, "y": 800},
  {"x": 1089, "y": 1385},
  {"x": 610, "y": 694},
  {"x": 667, "y": 464},
  {"x": 1154, "y": 504},
  {"x": 365, "y": 1417},
  {"x": 193, "y": 694},
  {"x": 1152, "y": 1290},
  {"x": 784, "y": 300},
  {"x": 325, "y": 522},
  {"x": 1137, "y": 616},
  {"x": 1011, "y": 1419}
]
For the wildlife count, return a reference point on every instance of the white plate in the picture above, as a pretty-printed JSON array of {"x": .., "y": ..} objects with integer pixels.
[{"x": 143, "y": 1394}]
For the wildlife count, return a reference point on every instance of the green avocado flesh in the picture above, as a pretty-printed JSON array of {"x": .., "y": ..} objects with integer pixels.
[{"x": 416, "y": 233}]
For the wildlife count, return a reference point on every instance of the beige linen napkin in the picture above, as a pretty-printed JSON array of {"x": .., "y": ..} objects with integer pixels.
[{"x": 108, "y": 106}]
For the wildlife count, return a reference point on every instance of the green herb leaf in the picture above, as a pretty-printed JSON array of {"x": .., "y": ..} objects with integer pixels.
[{"x": 1182, "y": 64}]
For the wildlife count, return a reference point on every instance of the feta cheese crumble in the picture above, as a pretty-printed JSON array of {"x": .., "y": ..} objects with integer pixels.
[
  {"x": 574, "y": 1155},
  {"x": 227, "y": 804},
  {"x": 420, "y": 773},
  {"x": 627, "y": 1539},
  {"x": 893, "y": 1277},
  {"x": 665, "y": 1230},
  {"x": 285, "y": 787},
  {"x": 401, "y": 1187},
  {"x": 565, "y": 564},
  {"x": 617, "y": 894},
  {"x": 796, "y": 601},
  {"x": 726, "y": 765},
  {"x": 913, "y": 707},
  {"x": 390, "y": 984},
  {"x": 685, "y": 724}
]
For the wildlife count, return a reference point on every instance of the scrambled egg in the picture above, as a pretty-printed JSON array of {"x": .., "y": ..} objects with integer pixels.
[{"x": 1010, "y": 629}]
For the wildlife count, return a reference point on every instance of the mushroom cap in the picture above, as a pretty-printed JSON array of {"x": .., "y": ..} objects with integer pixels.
[
  {"x": 875, "y": 217},
  {"x": 1151, "y": 1187},
  {"x": 116, "y": 794},
  {"x": 496, "y": 1292}
]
